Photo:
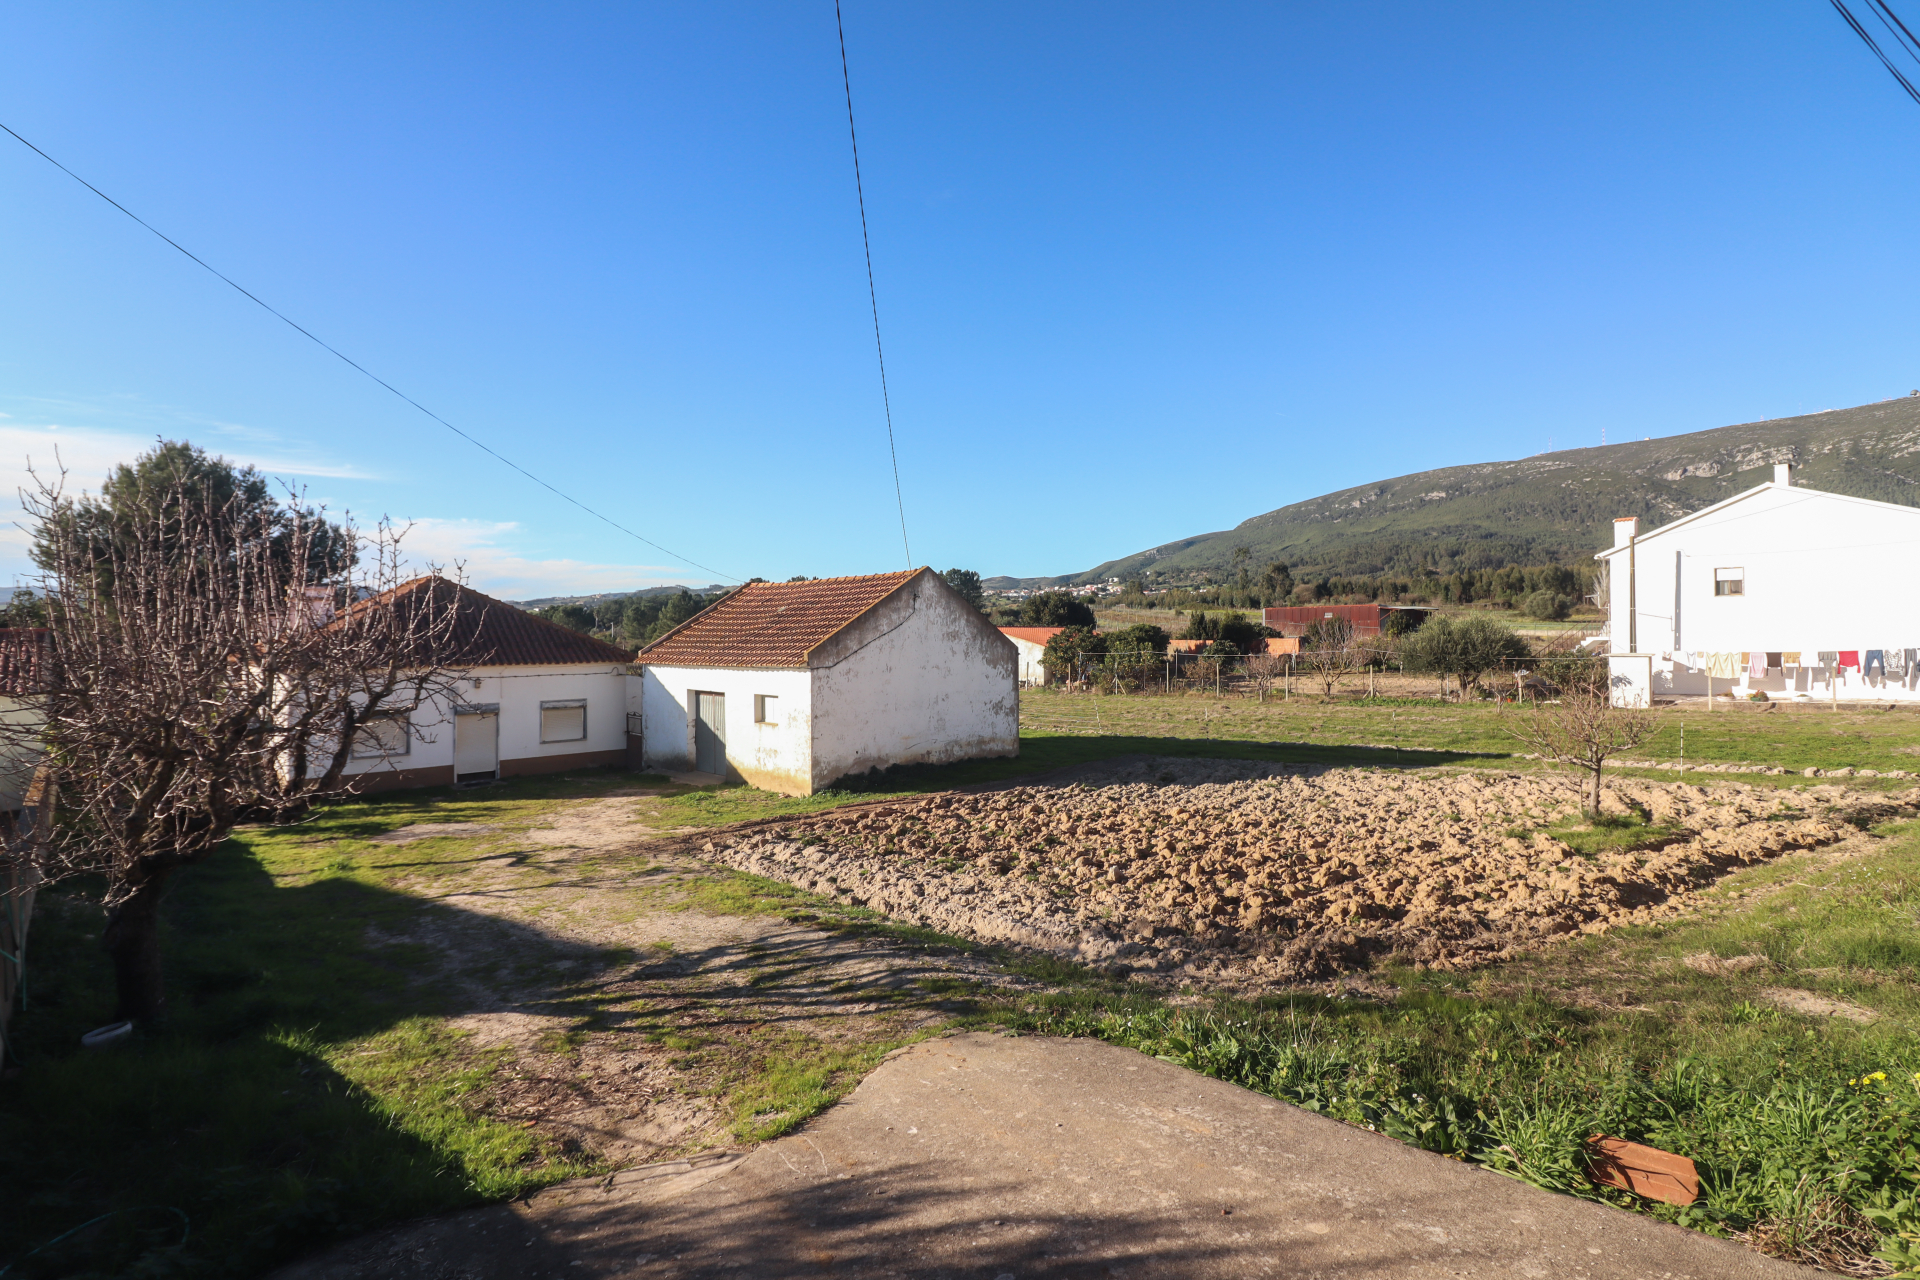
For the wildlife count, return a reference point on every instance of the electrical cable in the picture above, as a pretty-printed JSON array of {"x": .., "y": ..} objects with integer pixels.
[
  {"x": 362, "y": 368},
  {"x": 1891, "y": 20},
  {"x": 1872, "y": 44},
  {"x": 873, "y": 297}
]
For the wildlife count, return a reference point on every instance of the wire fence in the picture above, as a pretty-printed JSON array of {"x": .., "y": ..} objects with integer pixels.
[{"x": 1359, "y": 672}]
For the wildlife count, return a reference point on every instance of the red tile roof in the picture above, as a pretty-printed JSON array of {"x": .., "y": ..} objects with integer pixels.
[
  {"x": 772, "y": 624},
  {"x": 1032, "y": 635},
  {"x": 25, "y": 659},
  {"x": 492, "y": 633}
]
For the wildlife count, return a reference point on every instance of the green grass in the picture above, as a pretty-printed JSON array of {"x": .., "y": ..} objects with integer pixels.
[
  {"x": 306, "y": 1086},
  {"x": 1513, "y": 1067},
  {"x": 1416, "y": 730}
]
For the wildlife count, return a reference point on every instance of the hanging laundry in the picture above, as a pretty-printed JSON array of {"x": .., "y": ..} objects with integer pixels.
[
  {"x": 1756, "y": 665},
  {"x": 1850, "y": 658},
  {"x": 1791, "y": 657},
  {"x": 1829, "y": 658},
  {"x": 1876, "y": 659},
  {"x": 1725, "y": 666},
  {"x": 1775, "y": 661},
  {"x": 1897, "y": 663}
]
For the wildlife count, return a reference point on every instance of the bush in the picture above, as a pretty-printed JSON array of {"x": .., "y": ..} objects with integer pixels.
[
  {"x": 1233, "y": 631},
  {"x": 1067, "y": 648},
  {"x": 1463, "y": 647},
  {"x": 1548, "y": 606},
  {"x": 1056, "y": 609}
]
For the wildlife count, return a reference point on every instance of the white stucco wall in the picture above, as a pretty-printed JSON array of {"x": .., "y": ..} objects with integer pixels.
[
  {"x": 519, "y": 691},
  {"x": 924, "y": 678},
  {"x": 1032, "y": 669},
  {"x": 1822, "y": 572},
  {"x": 777, "y": 756},
  {"x": 20, "y": 750}
]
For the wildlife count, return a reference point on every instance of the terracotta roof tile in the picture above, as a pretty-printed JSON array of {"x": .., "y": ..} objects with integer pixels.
[
  {"x": 492, "y": 633},
  {"x": 1032, "y": 635},
  {"x": 772, "y": 624},
  {"x": 25, "y": 660}
]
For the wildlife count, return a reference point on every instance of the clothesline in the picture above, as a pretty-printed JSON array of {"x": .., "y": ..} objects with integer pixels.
[{"x": 1755, "y": 663}]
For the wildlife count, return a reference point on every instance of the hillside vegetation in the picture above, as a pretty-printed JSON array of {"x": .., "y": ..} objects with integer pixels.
[{"x": 1553, "y": 507}]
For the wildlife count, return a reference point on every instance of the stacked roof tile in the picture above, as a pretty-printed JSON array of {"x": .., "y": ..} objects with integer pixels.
[
  {"x": 772, "y": 624},
  {"x": 491, "y": 633}
]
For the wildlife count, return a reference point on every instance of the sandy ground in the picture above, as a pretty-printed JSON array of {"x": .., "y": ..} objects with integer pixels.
[{"x": 1242, "y": 875}]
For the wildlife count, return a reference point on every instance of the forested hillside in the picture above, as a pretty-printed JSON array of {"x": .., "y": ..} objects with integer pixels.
[{"x": 1553, "y": 507}]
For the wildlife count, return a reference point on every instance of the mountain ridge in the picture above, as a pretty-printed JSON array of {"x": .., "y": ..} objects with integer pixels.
[{"x": 1551, "y": 507}]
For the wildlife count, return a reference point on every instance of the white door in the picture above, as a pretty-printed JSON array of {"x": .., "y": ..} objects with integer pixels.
[{"x": 476, "y": 743}]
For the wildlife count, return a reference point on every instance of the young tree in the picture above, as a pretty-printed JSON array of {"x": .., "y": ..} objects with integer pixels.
[
  {"x": 1329, "y": 653},
  {"x": 212, "y": 657},
  {"x": 1466, "y": 648},
  {"x": 1068, "y": 648},
  {"x": 1584, "y": 729},
  {"x": 967, "y": 583}
]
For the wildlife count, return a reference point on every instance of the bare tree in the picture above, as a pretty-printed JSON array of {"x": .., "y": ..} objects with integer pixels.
[
  {"x": 1584, "y": 729},
  {"x": 1329, "y": 653},
  {"x": 1263, "y": 669},
  {"x": 206, "y": 668}
]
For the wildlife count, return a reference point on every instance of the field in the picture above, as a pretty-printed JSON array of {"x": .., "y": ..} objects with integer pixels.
[
  {"x": 429, "y": 1000},
  {"x": 1242, "y": 877}
]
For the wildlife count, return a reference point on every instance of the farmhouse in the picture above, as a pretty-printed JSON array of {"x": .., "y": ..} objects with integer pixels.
[
  {"x": 794, "y": 685},
  {"x": 1789, "y": 591},
  {"x": 533, "y": 697},
  {"x": 1031, "y": 643}
]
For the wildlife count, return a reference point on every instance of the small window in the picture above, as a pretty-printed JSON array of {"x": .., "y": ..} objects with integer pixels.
[
  {"x": 563, "y": 721},
  {"x": 764, "y": 707},
  {"x": 1729, "y": 582},
  {"x": 382, "y": 734}
]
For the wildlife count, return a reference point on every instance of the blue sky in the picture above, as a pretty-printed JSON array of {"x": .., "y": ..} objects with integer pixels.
[{"x": 1143, "y": 270}]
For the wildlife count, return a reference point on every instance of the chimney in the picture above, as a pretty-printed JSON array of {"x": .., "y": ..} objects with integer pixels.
[
  {"x": 1783, "y": 474},
  {"x": 1624, "y": 530}
]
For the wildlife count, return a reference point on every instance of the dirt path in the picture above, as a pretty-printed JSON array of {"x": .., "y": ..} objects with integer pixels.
[
  {"x": 661, "y": 994},
  {"x": 980, "y": 1157}
]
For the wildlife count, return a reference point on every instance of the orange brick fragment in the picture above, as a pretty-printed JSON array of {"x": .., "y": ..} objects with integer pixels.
[{"x": 1645, "y": 1171}]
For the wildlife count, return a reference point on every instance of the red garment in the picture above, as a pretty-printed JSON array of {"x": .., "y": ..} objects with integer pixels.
[{"x": 1850, "y": 658}]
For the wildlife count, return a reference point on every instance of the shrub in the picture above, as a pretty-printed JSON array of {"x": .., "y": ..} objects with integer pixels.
[
  {"x": 1056, "y": 609},
  {"x": 1549, "y": 606}
]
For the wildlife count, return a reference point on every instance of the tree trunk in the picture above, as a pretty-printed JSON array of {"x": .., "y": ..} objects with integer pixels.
[
  {"x": 1593, "y": 806},
  {"x": 132, "y": 940}
]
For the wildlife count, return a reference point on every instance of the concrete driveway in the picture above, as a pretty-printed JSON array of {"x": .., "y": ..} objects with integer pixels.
[{"x": 984, "y": 1157}]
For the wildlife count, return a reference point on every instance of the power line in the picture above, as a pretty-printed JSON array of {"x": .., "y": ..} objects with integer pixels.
[
  {"x": 872, "y": 297},
  {"x": 1864, "y": 34},
  {"x": 360, "y": 367}
]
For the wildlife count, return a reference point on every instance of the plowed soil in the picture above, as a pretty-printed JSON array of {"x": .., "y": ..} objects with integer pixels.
[{"x": 1242, "y": 874}]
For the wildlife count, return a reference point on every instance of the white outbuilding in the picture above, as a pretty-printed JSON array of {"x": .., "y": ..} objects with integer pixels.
[
  {"x": 1789, "y": 591},
  {"x": 791, "y": 686},
  {"x": 1031, "y": 644},
  {"x": 531, "y": 697}
]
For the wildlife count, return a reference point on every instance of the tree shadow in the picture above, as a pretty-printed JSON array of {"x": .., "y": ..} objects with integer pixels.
[{"x": 225, "y": 1141}]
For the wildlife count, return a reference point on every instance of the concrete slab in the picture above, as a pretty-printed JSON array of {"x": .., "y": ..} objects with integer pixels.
[
  {"x": 696, "y": 779},
  {"x": 994, "y": 1158}
]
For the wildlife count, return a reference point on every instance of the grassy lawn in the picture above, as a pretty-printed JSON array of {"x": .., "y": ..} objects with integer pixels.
[
  {"x": 313, "y": 1082},
  {"x": 1415, "y": 730},
  {"x": 311, "y": 1087}
]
